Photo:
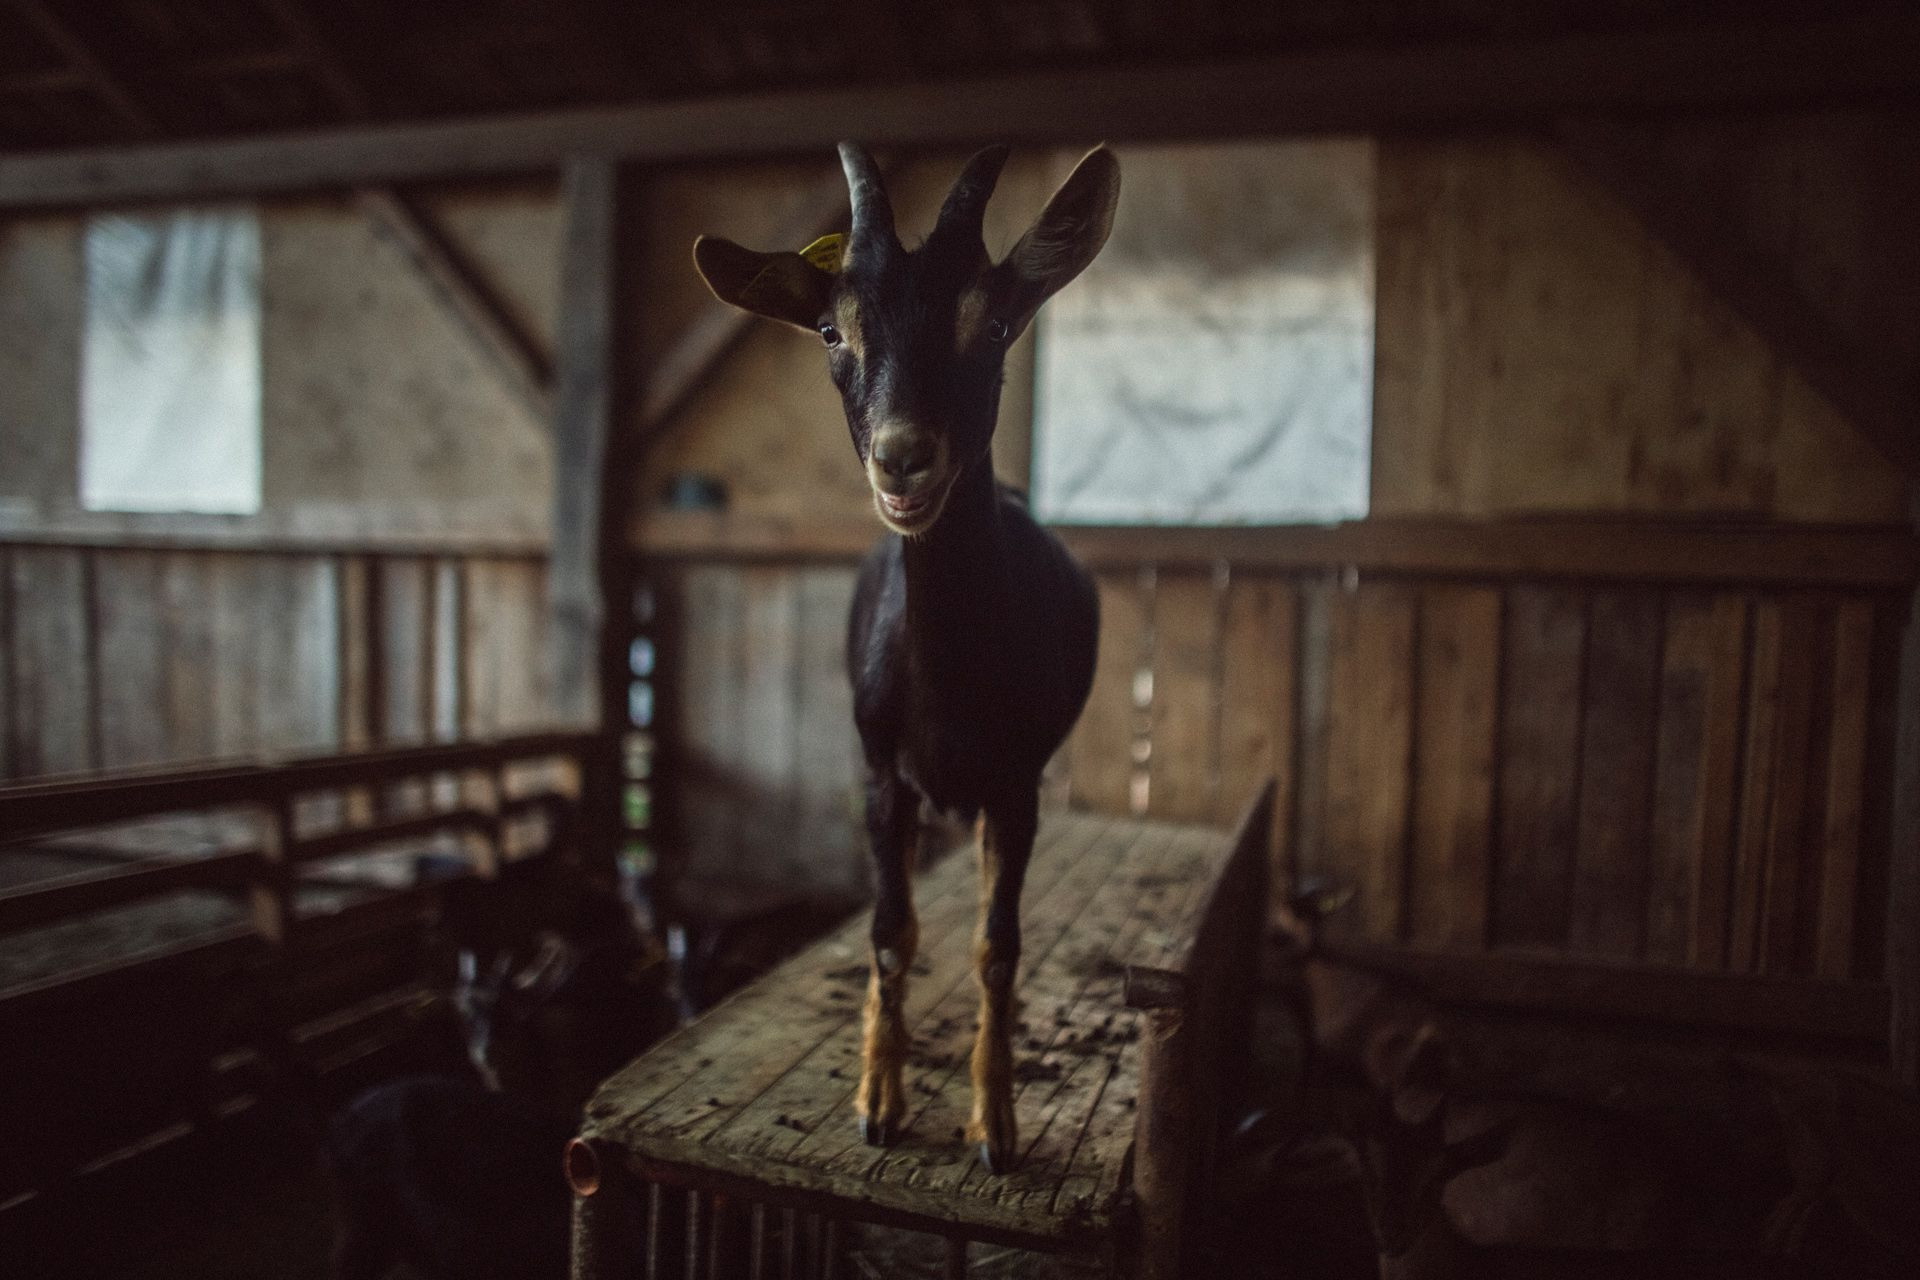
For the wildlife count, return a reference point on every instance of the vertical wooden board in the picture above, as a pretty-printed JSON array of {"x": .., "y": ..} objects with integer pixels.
[
  {"x": 708, "y": 731},
  {"x": 53, "y": 711},
  {"x": 1805, "y": 638},
  {"x": 191, "y": 598},
  {"x": 1757, "y": 777},
  {"x": 1183, "y": 769},
  {"x": 6, "y": 664},
  {"x": 1451, "y": 851},
  {"x": 129, "y": 606},
  {"x": 1258, "y": 645},
  {"x": 238, "y": 603},
  {"x": 448, "y": 675},
  {"x": 354, "y": 658},
  {"x": 769, "y": 684},
  {"x": 1542, "y": 655},
  {"x": 405, "y": 652},
  {"x": 1617, "y": 756},
  {"x": 1839, "y": 838},
  {"x": 1102, "y": 748},
  {"x": 1879, "y": 880},
  {"x": 830, "y": 773},
  {"x": 1369, "y": 751},
  {"x": 298, "y": 651},
  {"x": 1696, "y": 780},
  {"x": 1307, "y": 849},
  {"x": 503, "y": 638}
]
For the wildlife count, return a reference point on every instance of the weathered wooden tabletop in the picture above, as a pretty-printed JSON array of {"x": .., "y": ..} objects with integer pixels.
[{"x": 760, "y": 1090}]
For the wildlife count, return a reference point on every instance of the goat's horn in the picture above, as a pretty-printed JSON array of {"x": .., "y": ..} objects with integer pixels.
[
  {"x": 966, "y": 204},
  {"x": 872, "y": 211}
]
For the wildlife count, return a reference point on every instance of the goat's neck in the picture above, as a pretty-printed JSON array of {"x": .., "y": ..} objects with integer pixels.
[{"x": 956, "y": 573}]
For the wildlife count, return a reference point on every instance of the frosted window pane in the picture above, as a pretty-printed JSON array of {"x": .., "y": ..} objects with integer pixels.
[
  {"x": 1215, "y": 364},
  {"x": 170, "y": 365}
]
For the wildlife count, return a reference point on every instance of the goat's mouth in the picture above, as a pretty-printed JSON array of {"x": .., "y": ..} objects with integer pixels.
[{"x": 912, "y": 514}]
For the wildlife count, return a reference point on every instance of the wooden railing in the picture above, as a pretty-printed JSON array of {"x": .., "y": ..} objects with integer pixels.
[
  {"x": 1625, "y": 741},
  {"x": 117, "y": 1003}
]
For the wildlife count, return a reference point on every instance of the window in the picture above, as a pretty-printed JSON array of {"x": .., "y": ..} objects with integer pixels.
[
  {"x": 170, "y": 365},
  {"x": 1215, "y": 364}
]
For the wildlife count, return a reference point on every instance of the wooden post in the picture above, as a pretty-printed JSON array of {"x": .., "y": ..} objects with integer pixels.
[
  {"x": 1903, "y": 869},
  {"x": 589, "y": 574},
  {"x": 602, "y": 1202},
  {"x": 1162, "y": 1142}
]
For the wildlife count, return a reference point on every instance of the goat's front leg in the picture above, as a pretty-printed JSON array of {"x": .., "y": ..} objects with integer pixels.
[
  {"x": 893, "y": 812},
  {"x": 1006, "y": 840}
]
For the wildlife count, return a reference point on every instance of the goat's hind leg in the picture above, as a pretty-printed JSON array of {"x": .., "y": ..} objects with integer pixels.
[
  {"x": 1006, "y": 841},
  {"x": 893, "y": 813}
]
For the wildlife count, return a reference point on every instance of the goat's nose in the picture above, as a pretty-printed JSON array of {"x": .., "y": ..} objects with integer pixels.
[{"x": 900, "y": 454}]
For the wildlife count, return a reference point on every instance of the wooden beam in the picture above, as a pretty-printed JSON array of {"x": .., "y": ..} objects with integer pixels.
[
  {"x": 1481, "y": 83},
  {"x": 1595, "y": 988},
  {"x": 1871, "y": 559},
  {"x": 520, "y": 356},
  {"x": 94, "y": 73},
  {"x": 677, "y": 374},
  {"x": 1756, "y": 285}
]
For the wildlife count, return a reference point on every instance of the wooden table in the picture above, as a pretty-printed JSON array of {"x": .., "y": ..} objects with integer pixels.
[{"x": 752, "y": 1106}]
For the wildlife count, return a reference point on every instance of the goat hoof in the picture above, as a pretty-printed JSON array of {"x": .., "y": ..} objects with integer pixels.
[
  {"x": 994, "y": 1164},
  {"x": 875, "y": 1132}
]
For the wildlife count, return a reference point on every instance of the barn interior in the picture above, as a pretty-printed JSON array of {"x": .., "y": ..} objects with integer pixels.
[{"x": 423, "y": 610}]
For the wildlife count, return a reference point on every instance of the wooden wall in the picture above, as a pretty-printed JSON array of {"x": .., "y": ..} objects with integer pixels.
[
  {"x": 114, "y": 657},
  {"x": 1671, "y": 773}
]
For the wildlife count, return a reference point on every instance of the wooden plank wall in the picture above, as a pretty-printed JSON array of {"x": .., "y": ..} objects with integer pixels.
[
  {"x": 758, "y": 717},
  {"x": 1668, "y": 775},
  {"x": 114, "y": 657},
  {"x": 1678, "y": 774}
]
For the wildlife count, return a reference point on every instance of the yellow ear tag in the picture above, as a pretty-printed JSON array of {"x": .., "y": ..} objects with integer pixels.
[{"x": 825, "y": 253}]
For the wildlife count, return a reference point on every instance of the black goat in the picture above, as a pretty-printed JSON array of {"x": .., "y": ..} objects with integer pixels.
[{"x": 973, "y": 634}]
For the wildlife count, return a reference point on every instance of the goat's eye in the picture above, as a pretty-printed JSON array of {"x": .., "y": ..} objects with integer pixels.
[
  {"x": 996, "y": 330},
  {"x": 829, "y": 335}
]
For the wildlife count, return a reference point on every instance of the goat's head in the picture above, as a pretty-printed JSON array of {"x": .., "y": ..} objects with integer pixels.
[{"x": 917, "y": 339}]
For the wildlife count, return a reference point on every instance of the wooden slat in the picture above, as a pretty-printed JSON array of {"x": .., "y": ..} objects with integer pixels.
[
  {"x": 1257, "y": 690},
  {"x": 1543, "y": 652},
  {"x": 1839, "y": 844},
  {"x": 1182, "y": 772},
  {"x": 1102, "y": 751},
  {"x": 1369, "y": 751},
  {"x": 1758, "y": 771},
  {"x": 33, "y": 808},
  {"x": 830, "y": 774},
  {"x": 1696, "y": 781},
  {"x": 1621, "y": 698},
  {"x": 706, "y": 733},
  {"x": 1643, "y": 552},
  {"x": 52, "y": 708},
  {"x": 39, "y": 905},
  {"x": 767, "y": 765},
  {"x": 1452, "y": 846},
  {"x": 1307, "y": 848},
  {"x": 129, "y": 605},
  {"x": 405, "y": 653},
  {"x": 1787, "y": 817},
  {"x": 1309, "y": 89}
]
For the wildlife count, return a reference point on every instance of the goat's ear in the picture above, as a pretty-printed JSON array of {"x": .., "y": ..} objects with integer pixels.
[
  {"x": 1068, "y": 234},
  {"x": 780, "y": 286}
]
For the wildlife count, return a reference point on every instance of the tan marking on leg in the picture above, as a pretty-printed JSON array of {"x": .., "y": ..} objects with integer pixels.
[
  {"x": 992, "y": 1126},
  {"x": 882, "y": 1095}
]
